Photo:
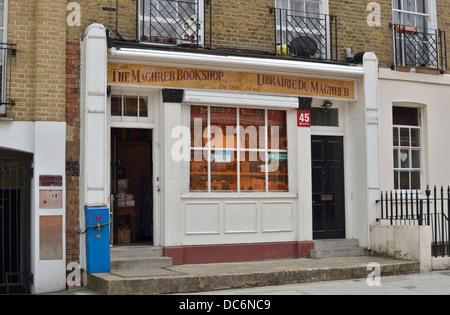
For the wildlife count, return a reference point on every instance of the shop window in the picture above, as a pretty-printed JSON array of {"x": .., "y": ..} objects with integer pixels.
[
  {"x": 407, "y": 134},
  {"x": 238, "y": 150}
]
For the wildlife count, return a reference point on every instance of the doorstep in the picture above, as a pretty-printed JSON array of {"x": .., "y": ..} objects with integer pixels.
[{"x": 220, "y": 276}]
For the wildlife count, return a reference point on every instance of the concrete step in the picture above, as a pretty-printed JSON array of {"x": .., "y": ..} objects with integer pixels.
[
  {"x": 143, "y": 262},
  {"x": 207, "y": 277},
  {"x": 136, "y": 251},
  {"x": 337, "y": 248},
  {"x": 138, "y": 257}
]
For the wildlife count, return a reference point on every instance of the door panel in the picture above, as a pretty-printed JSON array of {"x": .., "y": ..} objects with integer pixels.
[{"x": 328, "y": 187}]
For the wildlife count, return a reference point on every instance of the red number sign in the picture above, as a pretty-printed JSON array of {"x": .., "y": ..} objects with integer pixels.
[{"x": 303, "y": 118}]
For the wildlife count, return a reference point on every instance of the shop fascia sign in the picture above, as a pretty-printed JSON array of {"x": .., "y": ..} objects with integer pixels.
[{"x": 145, "y": 75}]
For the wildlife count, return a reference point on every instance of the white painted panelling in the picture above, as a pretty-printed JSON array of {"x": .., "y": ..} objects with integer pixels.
[
  {"x": 277, "y": 216},
  {"x": 240, "y": 217},
  {"x": 95, "y": 150},
  {"x": 202, "y": 218}
]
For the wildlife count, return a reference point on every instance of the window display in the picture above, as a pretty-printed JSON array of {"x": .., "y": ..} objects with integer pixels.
[{"x": 248, "y": 158}]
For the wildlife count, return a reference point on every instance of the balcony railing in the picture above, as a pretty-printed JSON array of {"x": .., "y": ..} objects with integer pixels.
[
  {"x": 305, "y": 34},
  {"x": 201, "y": 24},
  {"x": 171, "y": 22},
  {"x": 414, "y": 47},
  {"x": 7, "y": 52}
]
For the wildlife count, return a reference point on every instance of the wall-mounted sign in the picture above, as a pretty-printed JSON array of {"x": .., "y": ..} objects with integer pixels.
[
  {"x": 303, "y": 118},
  {"x": 50, "y": 180},
  {"x": 132, "y": 74}
]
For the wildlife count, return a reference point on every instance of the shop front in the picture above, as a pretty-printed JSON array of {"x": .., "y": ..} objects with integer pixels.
[{"x": 223, "y": 158}]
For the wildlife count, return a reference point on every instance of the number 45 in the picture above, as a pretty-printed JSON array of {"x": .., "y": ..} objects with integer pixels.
[{"x": 304, "y": 117}]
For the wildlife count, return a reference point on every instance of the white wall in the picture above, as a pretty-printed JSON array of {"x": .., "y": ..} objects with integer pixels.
[
  {"x": 431, "y": 93},
  {"x": 46, "y": 141}
]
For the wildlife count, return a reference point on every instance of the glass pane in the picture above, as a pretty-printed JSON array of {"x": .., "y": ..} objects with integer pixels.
[
  {"x": 395, "y": 158},
  {"x": 298, "y": 5},
  {"x": 252, "y": 172},
  {"x": 415, "y": 156},
  {"x": 404, "y": 158},
  {"x": 278, "y": 171},
  {"x": 198, "y": 171},
  {"x": 130, "y": 104},
  {"x": 223, "y": 127},
  {"x": 415, "y": 137},
  {"x": 276, "y": 122},
  {"x": 223, "y": 170},
  {"x": 420, "y": 6},
  {"x": 409, "y": 5},
  {"x": 282, "y": 4},
  {"x": 395, "y": 134},
  {"x": 325, "y": 117},
  {"x": 199, "y": 122},
  {"x": 143, "y": 107},
  {"x": 404, "y": 137},
  {"x": 404, "y": 180},
  {"x": 415, "y": 180},
  {"x": 2, "y": 8},
  {"x": 116, "y": 105},
  {"x": 252, "y": 132},
  {"x": 396, "y": 184},
  {"x": 312, "y": 7},
  {"x": 405, "y": 116}
]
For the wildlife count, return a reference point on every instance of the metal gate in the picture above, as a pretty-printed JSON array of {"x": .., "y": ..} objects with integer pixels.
[{"x": 14, "y": 225}]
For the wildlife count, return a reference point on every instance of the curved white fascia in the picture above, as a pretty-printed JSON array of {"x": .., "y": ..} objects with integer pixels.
[{"x": 233, "y": 63}]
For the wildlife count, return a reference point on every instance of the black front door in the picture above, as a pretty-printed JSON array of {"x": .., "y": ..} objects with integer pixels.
[{"x": 328, "y": 187}]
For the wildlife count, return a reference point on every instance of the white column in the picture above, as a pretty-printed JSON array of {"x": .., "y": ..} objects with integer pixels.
[
  {"x": 372, "y": 139},
  {"x": 93, "y": 116},
  {"x": 304, "y": 184},
  {"x": 93, "y": 119},
  {"x": 171, "y": 172}
]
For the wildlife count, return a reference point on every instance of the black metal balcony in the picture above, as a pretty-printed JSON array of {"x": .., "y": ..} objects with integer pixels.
[
  {"x": 7, "y": 52},
  {"x": 414, "y": 47},
  {"x": 305, "y": 34},
  {"x": 170, "y": 22}
]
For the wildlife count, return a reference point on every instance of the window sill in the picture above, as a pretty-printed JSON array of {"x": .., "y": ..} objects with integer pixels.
[{"x": 233, "y": 195}]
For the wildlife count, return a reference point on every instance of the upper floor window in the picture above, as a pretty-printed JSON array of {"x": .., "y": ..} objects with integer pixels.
[
  {"x": 417, "y": 42},
  {"x": 171, "y": 21},
  {"x": 303, "y": 28},
  {"x": 411, "y": 12}
]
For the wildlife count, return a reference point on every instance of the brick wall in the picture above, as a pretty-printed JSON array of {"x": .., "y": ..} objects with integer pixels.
[
  {"x": 72, "y": 149},
  {"x": 38, "y": 76}
]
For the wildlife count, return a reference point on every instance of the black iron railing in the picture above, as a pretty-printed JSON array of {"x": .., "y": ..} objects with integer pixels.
[
  {"x": 408, "y": 208},
  {"x": 171, "y": 22},
  {"x": 7, "y": 51},
  {"x": 305, "y": 34},
  {"x": 415, "y": 47}
]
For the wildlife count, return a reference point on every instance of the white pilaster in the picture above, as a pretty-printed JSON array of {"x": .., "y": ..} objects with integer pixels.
[
  {"x": 372, "y": 139},
  {"x": 304, "y": 183},
  {"x": 93, "y": 131},
  {"x": 171, "y": 175}
]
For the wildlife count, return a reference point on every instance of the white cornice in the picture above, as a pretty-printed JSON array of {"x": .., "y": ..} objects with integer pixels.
[{"x": 233, "y": 63}]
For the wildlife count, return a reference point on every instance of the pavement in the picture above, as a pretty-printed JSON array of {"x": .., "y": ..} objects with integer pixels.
[{"x": 433, "y": 283}]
